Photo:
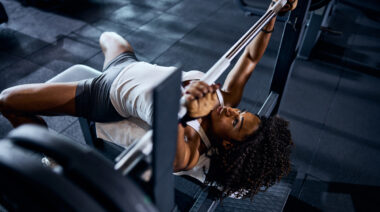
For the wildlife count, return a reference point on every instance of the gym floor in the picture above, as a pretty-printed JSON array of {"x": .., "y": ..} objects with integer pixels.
[{"x": 332, "y": 100}]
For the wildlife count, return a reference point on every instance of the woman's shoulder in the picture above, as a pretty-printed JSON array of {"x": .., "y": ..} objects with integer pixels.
[{"x": 191, "y": 136}]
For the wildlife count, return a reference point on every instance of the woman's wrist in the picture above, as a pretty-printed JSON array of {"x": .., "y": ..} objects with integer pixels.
[
  {"x": 269, "y": 28},
  {"x": 267, "y": 31}
]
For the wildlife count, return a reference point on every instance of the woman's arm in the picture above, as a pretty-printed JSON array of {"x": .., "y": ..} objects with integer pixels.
[
  {"x": 200, "y": 100},
  {"x": 183, "y": 152},
  {"x": 237, "y": 78},
  {"x": 187, "y": 153}
]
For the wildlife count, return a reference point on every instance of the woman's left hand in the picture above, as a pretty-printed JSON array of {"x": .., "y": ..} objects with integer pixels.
[{"x": 201, "y": 99}]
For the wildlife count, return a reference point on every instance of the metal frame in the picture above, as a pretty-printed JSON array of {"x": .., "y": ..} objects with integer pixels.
[
  {"x": 251, "y": 11},
  {"x": 165, "y": 123},
  {"x": 286, "y": 55},
  {"x": 317, "y": 19}
]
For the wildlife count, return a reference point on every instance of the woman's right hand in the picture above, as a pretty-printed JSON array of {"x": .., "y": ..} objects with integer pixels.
[
  {"x": 201, "y": 98},
  {"x": 289, "y": 6}
]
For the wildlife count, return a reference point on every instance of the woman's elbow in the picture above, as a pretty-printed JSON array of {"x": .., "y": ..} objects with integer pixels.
[
  {"x": 179, "y": 165},
  {"x": 181, "y": 162}
]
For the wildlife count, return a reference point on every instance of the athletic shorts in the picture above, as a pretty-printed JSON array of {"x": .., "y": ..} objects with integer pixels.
[{"x": 92, "y": 99}]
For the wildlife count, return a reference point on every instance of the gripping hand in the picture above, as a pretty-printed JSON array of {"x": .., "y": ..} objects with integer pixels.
[{"x": 201, "y": 99}]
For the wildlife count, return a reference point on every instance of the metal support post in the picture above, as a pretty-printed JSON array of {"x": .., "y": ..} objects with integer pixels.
[
  {"x": 166, "y": 105},
  {"x": 288, "y": 52}
]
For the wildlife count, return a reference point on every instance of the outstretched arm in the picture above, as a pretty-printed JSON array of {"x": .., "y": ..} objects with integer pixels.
[{"x": 237, "y": 78}]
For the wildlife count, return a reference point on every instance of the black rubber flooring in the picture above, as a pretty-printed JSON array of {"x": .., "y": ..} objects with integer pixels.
[{"x": 332, "y": 100}]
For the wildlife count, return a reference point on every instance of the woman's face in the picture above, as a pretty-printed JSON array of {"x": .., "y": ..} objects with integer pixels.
[{"x": 232, "y": 124}]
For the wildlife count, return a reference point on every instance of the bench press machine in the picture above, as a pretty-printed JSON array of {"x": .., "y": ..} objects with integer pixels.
[
  {"x": 84, "y": 180},
  {"x": 159, "y": 191}
]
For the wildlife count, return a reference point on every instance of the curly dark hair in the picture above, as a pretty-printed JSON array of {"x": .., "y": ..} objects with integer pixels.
[{"x": 253, "y": 165}]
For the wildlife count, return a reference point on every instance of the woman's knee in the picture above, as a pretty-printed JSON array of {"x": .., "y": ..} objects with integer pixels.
[
  {"x": 10, "y": 99},
  {"x": 111, "y": 41},
  {"x": 5, "y": 97}
]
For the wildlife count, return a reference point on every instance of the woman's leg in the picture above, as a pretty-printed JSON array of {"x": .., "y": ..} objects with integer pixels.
[
  {"x": 113, "y": 45},
  {"x": 23, "y": 103}
]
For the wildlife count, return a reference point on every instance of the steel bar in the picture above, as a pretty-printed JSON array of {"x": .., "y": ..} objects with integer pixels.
[
  {"x": 269, "y": 104},
  {"x": 223, "y": 63},
  {"x": 142, "y": 147}
]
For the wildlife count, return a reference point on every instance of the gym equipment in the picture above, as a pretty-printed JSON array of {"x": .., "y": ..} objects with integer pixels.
[
  {"x": 84, "y": 180},
  {"x": 289, "y": 48},
  {"x": 192, "y": 196},
  {"x": 316, "y": 4},
  {"x": 317, "y": 18},
  {"x": 164, "y": 132},
  {"x": 317, "y": 21},
  {"x": 96, "y": 186},
  {"x": 258, "y": 7},
  {"x": 224, "y": 62}
]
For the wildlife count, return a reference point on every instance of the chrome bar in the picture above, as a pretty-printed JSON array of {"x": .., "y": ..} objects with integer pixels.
[
  {"x": 223, "y": 63},
  {"x": 269, "y": 104},
  {"x": 143, "y": 147}
]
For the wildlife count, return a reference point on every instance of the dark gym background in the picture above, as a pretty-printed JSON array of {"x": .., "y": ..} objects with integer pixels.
[{"x": 332, "y": 100}]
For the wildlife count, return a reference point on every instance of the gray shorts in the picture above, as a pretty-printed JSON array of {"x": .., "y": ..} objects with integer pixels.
[{"x": 92, "y": 99}]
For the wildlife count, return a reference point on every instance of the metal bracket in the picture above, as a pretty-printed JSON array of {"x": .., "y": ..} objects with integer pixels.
[{"x": 293, "y": 23}]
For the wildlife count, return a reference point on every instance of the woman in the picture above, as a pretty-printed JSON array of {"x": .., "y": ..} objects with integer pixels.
[{"x": 237, "y": 151}]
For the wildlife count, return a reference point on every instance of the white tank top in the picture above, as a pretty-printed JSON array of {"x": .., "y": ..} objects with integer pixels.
[{"x": 201, "y": 168}]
